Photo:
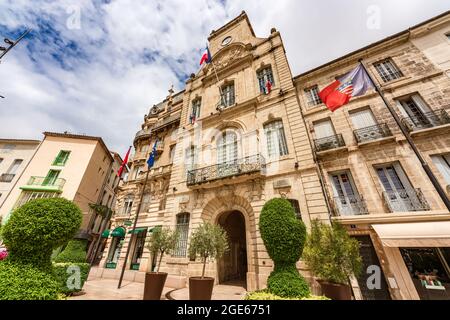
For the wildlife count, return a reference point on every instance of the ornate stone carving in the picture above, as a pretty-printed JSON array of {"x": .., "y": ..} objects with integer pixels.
[{"x": 226, "y": 58}]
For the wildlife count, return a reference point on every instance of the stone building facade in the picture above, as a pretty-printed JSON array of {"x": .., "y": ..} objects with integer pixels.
[{"x": 220, "y": 159}]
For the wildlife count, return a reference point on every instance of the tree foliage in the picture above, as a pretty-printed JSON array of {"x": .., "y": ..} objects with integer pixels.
[
  {"x": 208, "y": 241},
  {"x": 331, "y": 253},
  {"x": 162, "y": 241}
]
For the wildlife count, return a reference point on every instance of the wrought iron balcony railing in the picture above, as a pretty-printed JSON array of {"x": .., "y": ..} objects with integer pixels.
[
  {"x": 7, "y": 177},
  {"x": 353, "y": 205},
  {"x": 405, "y": 200},
  {"x": 247, "y": 165},
  {"x": 329, "y": 143},
  {"x": 375, "y": 132},
  {"x": 426, "y": 120},
  {"x": 45, "y": 183}
]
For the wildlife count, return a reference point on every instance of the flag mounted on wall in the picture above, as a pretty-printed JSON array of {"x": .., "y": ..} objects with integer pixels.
[
  {"x": 353, "y": 84},
  {"x": 206, "y": 56},
  {"x": 124, "y": 163},
  {"x": 151, "y": 159}
]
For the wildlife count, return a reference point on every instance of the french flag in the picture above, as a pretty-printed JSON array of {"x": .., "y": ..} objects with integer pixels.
[
  {"x": 353, "y": 84},
  {"x": 206, "y": 57}
]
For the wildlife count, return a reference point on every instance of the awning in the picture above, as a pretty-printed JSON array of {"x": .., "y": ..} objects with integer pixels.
[
  {"x": 137, "y": 230},
  {"x": 118, "y": 232},
  {"x": 105, "y": 234},
  {"x": 154, "y": 228},
  {"x": 414, "y": 235}
]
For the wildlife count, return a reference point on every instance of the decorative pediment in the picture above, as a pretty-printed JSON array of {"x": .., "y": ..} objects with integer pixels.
[{"x": 228, "y": 55}]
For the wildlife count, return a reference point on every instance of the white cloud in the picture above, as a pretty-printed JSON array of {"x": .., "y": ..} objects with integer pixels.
[{"x": 102, "y": 78}]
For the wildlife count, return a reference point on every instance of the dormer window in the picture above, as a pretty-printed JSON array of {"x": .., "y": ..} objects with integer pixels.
[{"x": 265, "y": 80}]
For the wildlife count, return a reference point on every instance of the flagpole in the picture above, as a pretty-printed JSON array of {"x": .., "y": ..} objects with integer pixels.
[
  {"x": 217, "y": 76},
  {"x": 413, "y": 146},
  {"x": 136, "y": 218}
]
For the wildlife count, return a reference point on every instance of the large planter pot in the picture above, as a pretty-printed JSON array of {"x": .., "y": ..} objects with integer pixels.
[
  {"x": 200, "y": 288},
  {"x": 335, "y": 291},
  {"x": 154, "y": 285}
]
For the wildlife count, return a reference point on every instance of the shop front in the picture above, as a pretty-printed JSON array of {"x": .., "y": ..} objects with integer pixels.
[
  {"x": 118, "y": 237},
  {"x": 138, "y": 239},
  {"x": 419, "y": 255}
]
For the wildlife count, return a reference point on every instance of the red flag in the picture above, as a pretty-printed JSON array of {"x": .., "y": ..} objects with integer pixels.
[
  {"x": 124, "y": 163},
  {"x": 268, "y": 86},
  {"x": 353, "y": 84}
]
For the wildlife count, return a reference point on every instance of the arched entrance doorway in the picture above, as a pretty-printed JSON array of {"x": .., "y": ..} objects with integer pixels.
[{"x": 233, "y": 265}]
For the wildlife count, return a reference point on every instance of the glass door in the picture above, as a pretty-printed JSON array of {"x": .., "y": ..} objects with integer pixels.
[
  {"x": 397, "y": 188},
  {"x": 51, "y": 177},
  {"x": 346, "y": 197}
]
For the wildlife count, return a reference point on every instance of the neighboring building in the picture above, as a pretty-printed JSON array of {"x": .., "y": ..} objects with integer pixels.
[
  {"x": 75, "y": 167},
  {"x": 14, "y": 157},
  {"x": 100, "y": 221},
  {"x": 377, "y": 185},
  {"x": 220, "y": 160}
]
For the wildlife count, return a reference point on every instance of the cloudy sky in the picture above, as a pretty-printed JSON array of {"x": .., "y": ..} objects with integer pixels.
[{"x": 96, "y": 66}]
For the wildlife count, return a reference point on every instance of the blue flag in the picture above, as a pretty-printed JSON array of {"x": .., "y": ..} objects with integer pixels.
[{"x": 151, "y": 159}]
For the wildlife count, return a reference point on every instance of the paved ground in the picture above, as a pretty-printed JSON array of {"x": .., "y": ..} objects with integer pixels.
[{"x": 106, "y": 289}]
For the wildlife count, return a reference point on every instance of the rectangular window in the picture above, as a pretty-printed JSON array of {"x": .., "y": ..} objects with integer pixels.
[
  {"x": 265, "y": 80},
  {"x": 137, "y": 172},
  {"x": 363, "y": 119},
  {"x": 128, "y": 204},
  {"x": 27, "y": 196},
  {"x": 172, "y": 153},
  {"x": 1, "y": 160},
  {"x": 387, "y": 70},
  {"x": 276, "y": 139},
  {"x": 295, "y": 204},
  {"x": 228, "y": 98},
  {"x": 312, "y": 96},
  {"x": 51, "y": 177},
  {"x": 14, "y": 166},
  {"x": 146, "y": 200},
  {"x": 62, "y": 157},
  {"x": 324, "y": 129},
  {"x": 417, "y": 112},
  {"x": 442, "y": 162},
  {"x": 448, "y": 36},
  {"x": 138, "y": 249},
  {"x": 195, "y": 112},
  {"x": 183, "y": 232}
]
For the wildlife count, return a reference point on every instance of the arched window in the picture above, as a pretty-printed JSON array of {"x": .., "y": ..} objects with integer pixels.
[
  {"x": 183, "y": 233},
  {"x": 227, "y": 147},
  {"x": 276, "y": 139}
]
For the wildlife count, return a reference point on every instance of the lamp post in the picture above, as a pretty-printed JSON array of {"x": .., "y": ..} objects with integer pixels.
[{"x": 11, "y": 44}]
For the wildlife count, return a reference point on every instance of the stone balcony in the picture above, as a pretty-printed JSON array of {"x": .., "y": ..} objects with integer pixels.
[
  {"x": 329, "y": 143},
  {"x": 353, "y": 205},
  {"x": 251, "y": 165}
]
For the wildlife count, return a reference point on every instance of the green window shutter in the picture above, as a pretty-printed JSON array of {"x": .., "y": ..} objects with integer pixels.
[
  {"x": 51, "y": 177},
  {"x": 62, "y": 158}
]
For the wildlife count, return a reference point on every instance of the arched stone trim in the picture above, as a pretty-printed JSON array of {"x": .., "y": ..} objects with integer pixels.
[{"x": 220, "y": 204}]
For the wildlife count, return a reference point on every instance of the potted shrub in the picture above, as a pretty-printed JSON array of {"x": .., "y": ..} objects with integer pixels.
[
  {"x": 333, "y": 256},
  {"x": 208, "y": 241},
  {"x": 162, "y": 241}
]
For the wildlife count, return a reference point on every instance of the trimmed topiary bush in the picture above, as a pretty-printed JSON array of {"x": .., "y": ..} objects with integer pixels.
[
  {"x": 66, "y": 263},
  {"x": 30, "y": 235},
  {"x": 25, "y": 282},
  {"x": 64, "y": 275},
  {"x": 75, "y": 251},
  {"x": 284, "y": 237},
  {"x": 38, "y": 227},
  {"x": 266, "y": 295}
]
